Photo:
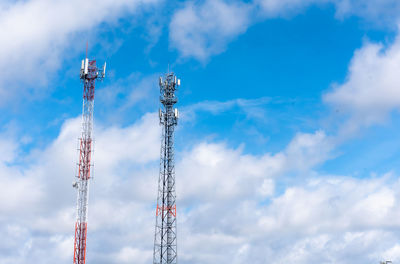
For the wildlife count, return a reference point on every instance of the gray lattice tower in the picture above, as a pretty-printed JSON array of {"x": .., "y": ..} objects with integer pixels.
[{"x": 165, "y": 244}]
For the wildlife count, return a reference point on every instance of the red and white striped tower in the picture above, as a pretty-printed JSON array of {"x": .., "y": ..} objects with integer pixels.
[{"x": 89, "y": 74}]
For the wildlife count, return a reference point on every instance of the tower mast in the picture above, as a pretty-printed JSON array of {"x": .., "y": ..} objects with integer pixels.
[
  {"x": 89, "y": 74},
  {"x": 165, "y": 244}
]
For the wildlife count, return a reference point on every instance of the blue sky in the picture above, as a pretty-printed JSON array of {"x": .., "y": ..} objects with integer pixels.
[{"x": 287, "y": 146}]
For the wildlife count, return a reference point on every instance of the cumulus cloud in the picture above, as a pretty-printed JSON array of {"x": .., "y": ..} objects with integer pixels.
[
  {"x": 371, "y": 89},
  {"x": 327, "y": 220},
  {"x": 202, "y": 30},
  {"x": 362, "y": 204},
  {"x": 223, "y": 174}
]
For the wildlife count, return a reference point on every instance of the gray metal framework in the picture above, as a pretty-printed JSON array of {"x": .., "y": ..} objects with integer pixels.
[{"x": 165, "y": 242}]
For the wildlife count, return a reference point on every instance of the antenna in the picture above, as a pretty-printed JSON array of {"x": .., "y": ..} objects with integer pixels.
[
  {"x": 87, "y": 43},
  {"x": 86, "y": 69}
]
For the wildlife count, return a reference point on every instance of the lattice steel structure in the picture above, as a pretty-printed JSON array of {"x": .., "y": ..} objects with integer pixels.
[
  {"x": 89, "y": 74},
  {"x": 165, "y": 244}
]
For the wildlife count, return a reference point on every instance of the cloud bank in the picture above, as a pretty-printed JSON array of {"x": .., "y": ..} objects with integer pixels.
[{"x": 230, "y": 203}]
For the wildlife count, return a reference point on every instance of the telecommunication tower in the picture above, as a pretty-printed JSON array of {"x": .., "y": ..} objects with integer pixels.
[
  {"x": 165, "y": 244},
  {"x": 89, "y": 74}
]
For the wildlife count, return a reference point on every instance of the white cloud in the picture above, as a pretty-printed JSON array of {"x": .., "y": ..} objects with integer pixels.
[
  {"x": 277, "y": 8},
  {"x": 202, "y": 30},
  {"x": 392, "y": 253},
  {"x": 223, "y": 174},
  {"x": 379, "y": 12},
  {"x": 308, "y": 150},
  {"x": 333, "y": 205},
  {"x": 371, "y": 89},
  {"x": 317, "y": 222},
  {"x": 17, "y": 190},
  {"x": 251, "y": 107},
  {"x": 129, "y": 255},
  {"x": 330, "y": 220}
]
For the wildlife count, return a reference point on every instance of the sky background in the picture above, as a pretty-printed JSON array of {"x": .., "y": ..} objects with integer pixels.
[{"x": 287, "y": 147}]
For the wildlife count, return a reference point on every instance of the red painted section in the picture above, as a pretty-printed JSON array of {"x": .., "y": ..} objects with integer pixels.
[
  {"x": 80, "y": 243},
  {"x": 169, "y": 209}
]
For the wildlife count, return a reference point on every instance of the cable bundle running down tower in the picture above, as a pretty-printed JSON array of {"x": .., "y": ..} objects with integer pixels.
[
  {"x": 165, "y": 244},
  {"x": 89, "y": 74}
]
